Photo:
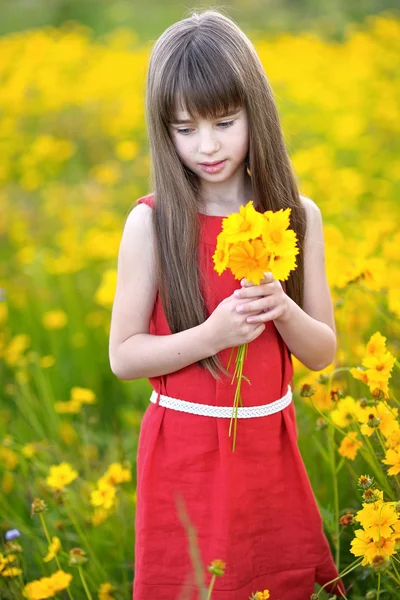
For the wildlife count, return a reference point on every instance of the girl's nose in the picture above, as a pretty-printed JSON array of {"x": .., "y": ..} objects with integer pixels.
[{"x": 208, "y": 143}]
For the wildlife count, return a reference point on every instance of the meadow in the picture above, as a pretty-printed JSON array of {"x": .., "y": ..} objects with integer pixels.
[{"x": 74, "y": 161}]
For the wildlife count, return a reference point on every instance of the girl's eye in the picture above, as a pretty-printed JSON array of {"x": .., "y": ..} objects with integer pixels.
[
  {"x": 226, "y": 124},
  {"x": 223, "y": 124}
]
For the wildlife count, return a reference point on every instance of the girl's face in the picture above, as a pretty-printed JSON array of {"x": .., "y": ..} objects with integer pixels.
[{"x": 224, "y": 139}]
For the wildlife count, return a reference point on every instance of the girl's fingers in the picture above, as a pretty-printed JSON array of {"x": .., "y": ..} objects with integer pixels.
[
  {"x": 256, "y": 305},
  {"x": 273, "y": 313},
  {"x": 254, "y": 290}
]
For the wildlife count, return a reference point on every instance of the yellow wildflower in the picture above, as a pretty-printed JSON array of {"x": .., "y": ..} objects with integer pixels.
[
  {"x": 281, "y": 266},
  {"x": 360, "y": 544},
  {"x": 105, "y": 591},
  {"x": 346, "y": 412},
  {"x": 104, "y": 496},
  {"x": 350, "y": 445},
  {"x": 392, "y": 458},
  {"x": 54, "y": 319},
  {"x": 276, "y": 236},
  {"x": 82, "y": 395},
  {"x": 243, "y": 226},
  {"x": 54, "y": 549},
  {"x": 47, "y": 587},
  {"x": 60, "y": 476},
  {"x": 376, "y": 344},
  {"x": 221, "y": 254},
  {"x": 249, "y": 260},
  {"x": 116, "y": 474}
]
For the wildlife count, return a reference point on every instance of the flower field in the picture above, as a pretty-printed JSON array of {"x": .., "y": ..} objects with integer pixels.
[{"x": 73, "y": 162}]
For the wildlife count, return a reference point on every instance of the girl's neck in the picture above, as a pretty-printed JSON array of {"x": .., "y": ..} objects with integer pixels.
[{"x": 223, "y": 201}]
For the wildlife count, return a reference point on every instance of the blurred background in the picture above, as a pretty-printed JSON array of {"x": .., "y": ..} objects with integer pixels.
[{"x": 74, "y": 160}]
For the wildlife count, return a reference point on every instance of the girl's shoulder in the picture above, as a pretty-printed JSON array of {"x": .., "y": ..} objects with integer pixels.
[{"x": 313, "y": 216}]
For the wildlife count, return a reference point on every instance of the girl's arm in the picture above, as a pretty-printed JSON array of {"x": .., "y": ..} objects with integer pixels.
[
  {"x": 135, "y": 353},
  {"x": 308, "y": 332}
]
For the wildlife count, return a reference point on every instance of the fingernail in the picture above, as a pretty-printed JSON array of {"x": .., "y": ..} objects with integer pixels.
[{"x": 236, "y": 293}]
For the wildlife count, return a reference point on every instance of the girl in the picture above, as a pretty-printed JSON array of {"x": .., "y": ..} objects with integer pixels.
[{"x": 216, "y": 143}]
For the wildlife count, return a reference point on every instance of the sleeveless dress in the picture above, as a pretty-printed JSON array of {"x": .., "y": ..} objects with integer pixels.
[{"x": 253, "y": 508}]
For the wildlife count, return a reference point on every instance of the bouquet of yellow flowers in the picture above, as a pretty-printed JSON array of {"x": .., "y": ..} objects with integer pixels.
[{"x": 250, "y": 244}]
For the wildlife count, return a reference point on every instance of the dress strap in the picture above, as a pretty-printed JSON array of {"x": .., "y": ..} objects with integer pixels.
[{"x": 149, "y": 200}]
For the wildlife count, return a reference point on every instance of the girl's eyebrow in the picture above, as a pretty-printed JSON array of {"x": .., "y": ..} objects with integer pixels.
[{"x": 183, "y": 121}]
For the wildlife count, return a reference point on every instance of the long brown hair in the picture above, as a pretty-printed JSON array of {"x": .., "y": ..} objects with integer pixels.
[{"x": 209, "y": 65}]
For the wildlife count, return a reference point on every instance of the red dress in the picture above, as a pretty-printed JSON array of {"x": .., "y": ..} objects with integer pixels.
[{"x": 253, "y": 508}]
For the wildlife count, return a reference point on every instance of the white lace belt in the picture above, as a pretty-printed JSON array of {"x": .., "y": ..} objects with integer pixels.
[{"x": 207, "y": 410}]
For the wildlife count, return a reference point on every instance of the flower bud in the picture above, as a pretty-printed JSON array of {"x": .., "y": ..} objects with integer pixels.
[
  {"x": 380, "y": 563},
  {"x": 371, "y": 595},
  {"x": 321, "y": 423},
  {"x": 307, "y": 390},
  {"x": 373, "y": 421},
  {"x": 365, "y": 481},
  {"x": 370, "y": 496},
  {"x": 38, "y": 506},
  {"x": 77, "y": 556},
  {"x": 217, "y": 567},
  {"x": 346, "y": 519}
]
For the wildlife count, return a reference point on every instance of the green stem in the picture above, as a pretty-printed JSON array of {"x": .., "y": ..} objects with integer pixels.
[
  {"x": 335, "y": 496},
  {"x": 84, "y": 583},
  {"x": 211, "y": 587},
  {"x": 55, "y": 557},
  {"x": 85, "y": 540},
  {"x": 348, "y": 570},
  {"x": 379, "y": 586}
]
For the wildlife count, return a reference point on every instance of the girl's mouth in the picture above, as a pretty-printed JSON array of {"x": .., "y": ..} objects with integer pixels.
[{"x": 213, "y": 168}]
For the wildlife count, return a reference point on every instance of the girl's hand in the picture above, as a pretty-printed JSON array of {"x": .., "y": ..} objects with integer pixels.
[
  {"x": 264, "y": 302},
  {"x": 226, "y": 327}
]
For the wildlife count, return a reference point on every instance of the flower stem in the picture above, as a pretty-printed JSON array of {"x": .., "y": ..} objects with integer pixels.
[
  {"x": 211, "y": 587},
  {"x": 238, "y": 374},
  {"x": 84, "y": 583},
  {"x": 56, "y": 557}
]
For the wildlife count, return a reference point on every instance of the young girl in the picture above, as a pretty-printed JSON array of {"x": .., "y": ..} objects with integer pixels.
[{"x": 215, "y": 144}]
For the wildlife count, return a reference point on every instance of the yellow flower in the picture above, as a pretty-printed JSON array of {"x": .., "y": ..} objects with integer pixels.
[
  {"x": 378, "y": 522},
  {"x": 379, "y": 369},
  {"x": 281, "y": 266},
  {"x": 60, "y": 476},
  {"x": 250, "y": 260},
  {"x": 243, "y": 226},
  {"x": 346, "y": 411},
  {"x": 105, "y": 591},
  {"x": 350, "y": 446},
  {"x": 54, "y": 548},
  {"x": 360, "y": 544},
  {"x": 392, "y": 458},
  {"x": 221, "y": 254},
  {"x": 116, "y": 474},
  {"x": 104, "y": 496},
  {"x": 393, "y": 440},
  {"x": 54, "y": 319},
  {"x": 262, "y": 595},
  {"x": 82, "y": 395},
  {"x": 47, "y": 587},
  {"x": 376, "y": 344},
  {"x": 383, "y": 547},
  {"x": 276, "y": 236}
]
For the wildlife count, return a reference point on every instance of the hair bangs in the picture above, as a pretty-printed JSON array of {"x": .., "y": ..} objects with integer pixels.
[{"x": 202, "y": 86}]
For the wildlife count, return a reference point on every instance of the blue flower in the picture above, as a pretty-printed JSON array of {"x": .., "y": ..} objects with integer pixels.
[{"x": 12, "y": 534}]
